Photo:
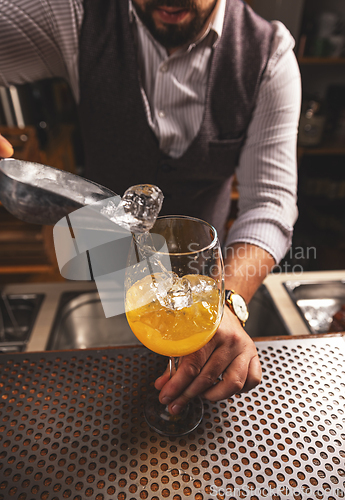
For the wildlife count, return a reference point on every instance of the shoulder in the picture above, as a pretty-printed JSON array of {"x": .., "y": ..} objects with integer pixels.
[{"x": 282, "y": 55}]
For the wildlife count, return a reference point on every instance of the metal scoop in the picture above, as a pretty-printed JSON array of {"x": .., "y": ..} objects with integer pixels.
[{"x": 40, "y": 194}]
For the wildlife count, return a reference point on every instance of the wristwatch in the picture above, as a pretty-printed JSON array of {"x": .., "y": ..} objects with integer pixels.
[{"x": 237, "y": 305}]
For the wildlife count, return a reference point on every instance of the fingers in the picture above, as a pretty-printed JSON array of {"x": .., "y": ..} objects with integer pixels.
[
  {"x": 231, "y": 353},
  {"x": 196, "y": 373},
  {"x": 169, "y": 371},
  {"x": 190, "y": 380},
  {"x": 239, "y": 377},
  {"x": 6, "y": 149},
  {"x": 254, "y": 374},
  {"x": 163, "y": 379},
  {"x": 189, "y": 368}
]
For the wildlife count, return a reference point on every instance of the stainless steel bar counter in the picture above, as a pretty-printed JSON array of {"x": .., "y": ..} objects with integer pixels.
[{"x": 71, "y": 426}]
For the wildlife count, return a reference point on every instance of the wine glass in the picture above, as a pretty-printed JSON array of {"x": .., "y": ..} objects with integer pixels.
[{"x": 174, "y": 302}]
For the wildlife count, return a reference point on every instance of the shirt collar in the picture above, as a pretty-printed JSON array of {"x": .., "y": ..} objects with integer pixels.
[
  {"x": 215, "y": 23},
  {"x": 217, "y": 20}
]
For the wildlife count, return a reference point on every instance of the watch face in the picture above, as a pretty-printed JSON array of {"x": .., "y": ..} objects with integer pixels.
[{"x": 240, "y": 307}]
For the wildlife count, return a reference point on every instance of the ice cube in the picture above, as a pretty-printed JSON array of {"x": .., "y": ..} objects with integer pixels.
[
  {"x": 178, "y": 295},
  {"x": 162, "y": 284},
  {"x": 139, "y": 208},
  {"x": 201, "y": 284},
  {"x": 149, "y": 289},
  {"x": 204, "y": 288}
]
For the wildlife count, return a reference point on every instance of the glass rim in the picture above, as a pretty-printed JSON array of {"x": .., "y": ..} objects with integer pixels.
[{"x": 210, "y": 246}]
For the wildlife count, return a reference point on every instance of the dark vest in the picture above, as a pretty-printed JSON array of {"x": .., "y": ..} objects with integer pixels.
[{"x": 121, "y": 149}]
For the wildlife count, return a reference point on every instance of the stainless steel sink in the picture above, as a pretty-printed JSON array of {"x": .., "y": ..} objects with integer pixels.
[
  {"x": 80, "y": 322},
  {"x": 317, "y": 302},
  {"x": 69, "y": 315}
]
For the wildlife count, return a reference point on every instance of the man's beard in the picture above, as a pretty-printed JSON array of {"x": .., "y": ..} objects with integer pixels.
[{"x": 173, "y": 35}]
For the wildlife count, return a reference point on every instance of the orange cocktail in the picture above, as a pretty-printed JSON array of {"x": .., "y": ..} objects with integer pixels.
[{"x": 175, "y": 332}]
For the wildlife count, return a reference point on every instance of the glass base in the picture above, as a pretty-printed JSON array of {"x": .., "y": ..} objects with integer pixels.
[{"x": 160, "y": 420}]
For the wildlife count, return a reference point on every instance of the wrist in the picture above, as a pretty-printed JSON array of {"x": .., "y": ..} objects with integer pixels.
[{"x": 237, "y": 305}]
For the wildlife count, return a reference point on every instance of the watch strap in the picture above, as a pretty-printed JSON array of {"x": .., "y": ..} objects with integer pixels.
[{"x": 228, "y": 294}]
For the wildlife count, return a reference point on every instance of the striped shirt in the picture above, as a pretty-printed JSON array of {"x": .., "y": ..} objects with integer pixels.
[{"x": 40, "y": 39}]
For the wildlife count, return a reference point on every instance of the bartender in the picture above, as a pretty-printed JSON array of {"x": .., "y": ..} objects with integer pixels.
[{"x": 181, "y": 94}]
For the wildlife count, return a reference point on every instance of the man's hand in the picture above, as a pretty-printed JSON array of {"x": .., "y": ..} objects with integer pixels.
[
  {"x": 230, "y": 354},
  {"x": 6, "y": 150}
]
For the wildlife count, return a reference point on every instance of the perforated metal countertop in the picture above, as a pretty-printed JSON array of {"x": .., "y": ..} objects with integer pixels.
[{"x": 71, "y": 426}]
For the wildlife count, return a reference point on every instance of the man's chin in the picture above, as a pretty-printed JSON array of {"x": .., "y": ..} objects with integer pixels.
[
  {"x": 171, "y": 27},
  {"x": 169, "y": 41},
  {"x": 172, "y": 35}
]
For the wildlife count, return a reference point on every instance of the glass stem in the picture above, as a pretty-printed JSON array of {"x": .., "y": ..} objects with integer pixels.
[{"x": 173, "y": 364}]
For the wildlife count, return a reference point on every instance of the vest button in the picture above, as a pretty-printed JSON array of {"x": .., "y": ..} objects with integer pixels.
[{"x": 166, "y": 168}]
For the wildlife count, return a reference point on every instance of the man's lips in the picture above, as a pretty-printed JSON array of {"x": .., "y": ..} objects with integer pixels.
[{"x": 171, "y": 15}]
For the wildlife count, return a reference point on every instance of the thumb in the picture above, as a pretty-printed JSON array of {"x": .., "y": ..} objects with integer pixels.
[{"x": 6, "y": 149}]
